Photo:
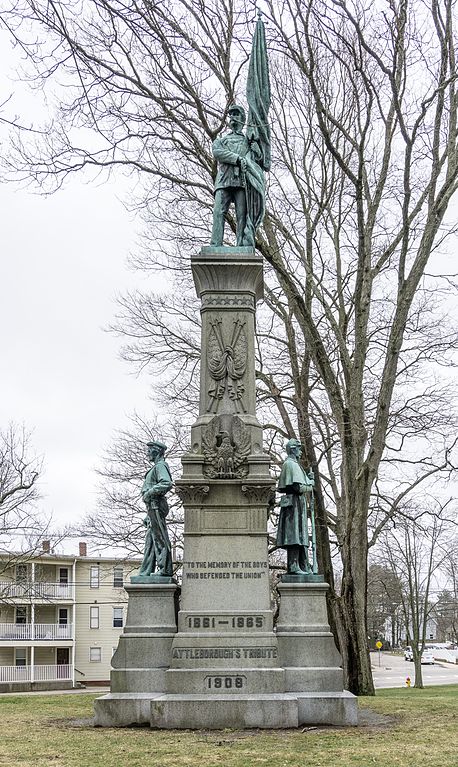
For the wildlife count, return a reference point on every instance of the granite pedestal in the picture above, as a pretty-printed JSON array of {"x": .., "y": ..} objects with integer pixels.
[{"x": 222, "y": 664}]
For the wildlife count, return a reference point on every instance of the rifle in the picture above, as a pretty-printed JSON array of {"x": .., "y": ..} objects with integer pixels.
[{"x": 312, "y": 519}]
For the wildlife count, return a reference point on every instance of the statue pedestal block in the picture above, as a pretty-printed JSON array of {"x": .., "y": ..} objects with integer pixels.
[
  {"x": 307, "y": 652},
  {"x": 142, "y": 657}
]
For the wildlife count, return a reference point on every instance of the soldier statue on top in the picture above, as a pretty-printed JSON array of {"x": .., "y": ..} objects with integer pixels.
[{"x": 243, "y": 157}]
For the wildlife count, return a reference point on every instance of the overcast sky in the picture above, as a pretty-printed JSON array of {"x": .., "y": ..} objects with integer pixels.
[{"x": 63, "y": 260}]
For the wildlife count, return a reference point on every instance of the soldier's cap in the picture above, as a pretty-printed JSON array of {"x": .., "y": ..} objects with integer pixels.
[
  {"x": 235, "y": 108},
  {"x": 292, "y": 443},
  {"x": 159, "y": 445}
]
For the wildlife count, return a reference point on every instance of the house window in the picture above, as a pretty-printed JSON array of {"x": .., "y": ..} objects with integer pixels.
[
  {"x": 21, "y": 615},
  {"x": 95, "y": 654},
  {"x": 94, "y": 618},
  {"x": 63, "y": 575},
  {"x": 118, "y": 577},
  {"x": 95, "y": 577},
  {"x": 63, "y": 616},
  {"x": 20, "y": 656},
  {"x": 117, "y": 617},
  {"x": 21, "y": 573}
]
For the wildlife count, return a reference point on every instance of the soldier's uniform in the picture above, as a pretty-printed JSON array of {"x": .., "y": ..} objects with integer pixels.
[
  {"x": 292, "y": 531},
  {"x": 230, "y": 184},
  {"x": 157, "y": 544}
]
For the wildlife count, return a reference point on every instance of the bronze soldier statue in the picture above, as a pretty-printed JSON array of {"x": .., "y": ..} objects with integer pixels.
[
  {"x": 158, "y": 482},
  {"x": 296, "y": 487}
]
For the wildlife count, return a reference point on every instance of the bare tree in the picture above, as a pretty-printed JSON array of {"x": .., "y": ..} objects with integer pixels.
[
  {"x": 365, "y": 135},
  {"x": 446, "y": 608},
  {"x": 445, "y": 613},
  {"x": 117, "y": 524},
  {"x": 415, "y": 550},
  {"x": 384, "y": 591},
  {"x": 22, "y": 526}
]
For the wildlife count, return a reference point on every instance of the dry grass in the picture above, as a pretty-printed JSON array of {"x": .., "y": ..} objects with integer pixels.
[{"x": 404, "y": 728}]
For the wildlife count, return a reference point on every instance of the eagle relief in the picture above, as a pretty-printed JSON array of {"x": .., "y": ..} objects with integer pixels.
[
  {"x": 227, "y": 361},
  {"x": 226, "y": 447}
]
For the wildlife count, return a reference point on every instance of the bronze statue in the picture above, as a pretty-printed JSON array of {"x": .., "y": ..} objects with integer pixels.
[
  {"x": 243, "y": 158},
  {"x": 158, "y": 482},
  {"x": 296, "y": 487}
]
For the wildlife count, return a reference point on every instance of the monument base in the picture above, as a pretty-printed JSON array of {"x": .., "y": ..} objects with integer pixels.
[
  {"x": 218, "y": 712},
  {"x": 305, "y": 687}
]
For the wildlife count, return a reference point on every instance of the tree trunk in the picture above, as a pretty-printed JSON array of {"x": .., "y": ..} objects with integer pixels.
[
  {"x": 350, "y": 613},
  {"x": 323, "y": 546},
  {"x": 418, "y": 670}
]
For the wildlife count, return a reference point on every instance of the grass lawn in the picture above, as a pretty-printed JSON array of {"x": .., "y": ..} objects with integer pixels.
[{"x": 420, "y": 728}]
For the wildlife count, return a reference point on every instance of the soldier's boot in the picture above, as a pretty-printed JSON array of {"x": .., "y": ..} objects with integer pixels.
[{"x": 293, "y": 561}]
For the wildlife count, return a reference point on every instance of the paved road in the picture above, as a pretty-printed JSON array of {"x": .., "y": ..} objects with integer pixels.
[{"x": 393, "y": 671}]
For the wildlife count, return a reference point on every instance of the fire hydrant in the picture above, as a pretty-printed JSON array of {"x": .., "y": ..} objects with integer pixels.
[{"x": 408, "y": 681}]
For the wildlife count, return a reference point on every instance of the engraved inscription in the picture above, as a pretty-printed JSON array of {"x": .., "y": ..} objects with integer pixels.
[
  {"x": 225, "y": 653},
  {"x": 225, "y": 682},
  {"x": 239, "y": 570},
  {"x": 201, "y": 622},
  {"x": 247, "y": 621},
  {"x": 228, "y": 622}
]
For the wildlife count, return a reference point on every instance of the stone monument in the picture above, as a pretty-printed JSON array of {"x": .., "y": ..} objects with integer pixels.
[{"x": 219, "y": 662}]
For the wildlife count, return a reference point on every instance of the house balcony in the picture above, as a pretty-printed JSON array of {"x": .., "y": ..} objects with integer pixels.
[
  {"x": 41, "y": 673},
  {"x": 36, "y": 590},
  {"x": 19, "y": 632}
]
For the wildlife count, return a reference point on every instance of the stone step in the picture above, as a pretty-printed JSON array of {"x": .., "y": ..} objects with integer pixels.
[
  {"x": 124, "y": 709},
  {"x": 220, "y": 711},
  {"x": 144, "y": 680},
  {"x": 217, "y": 712}
]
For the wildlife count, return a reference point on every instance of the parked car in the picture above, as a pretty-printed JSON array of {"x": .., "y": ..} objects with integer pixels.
[{"x": 427, "y": 656}]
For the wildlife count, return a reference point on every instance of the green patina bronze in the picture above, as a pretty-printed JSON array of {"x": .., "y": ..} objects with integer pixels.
[
  {"x": 157, "y": 558},
  {"x": 243, "y": 157},
  {"x": 296, "y": 509}
]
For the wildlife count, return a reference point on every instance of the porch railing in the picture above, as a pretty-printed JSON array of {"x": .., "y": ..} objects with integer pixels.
[
  {"x": 42, "y": 673},
  {"x": 36, "y": 590},
  {"x": 36, "y": 631}
]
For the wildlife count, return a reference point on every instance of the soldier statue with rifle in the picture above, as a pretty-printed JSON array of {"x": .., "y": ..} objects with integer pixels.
[
  {"x": 296, "y": 509},
  {"x": 158, "y": 482}
]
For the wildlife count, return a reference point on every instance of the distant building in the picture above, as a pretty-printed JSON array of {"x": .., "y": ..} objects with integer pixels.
[
  {"x": 60, "y": 618},
  {"x": 400, "y": 632}
]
